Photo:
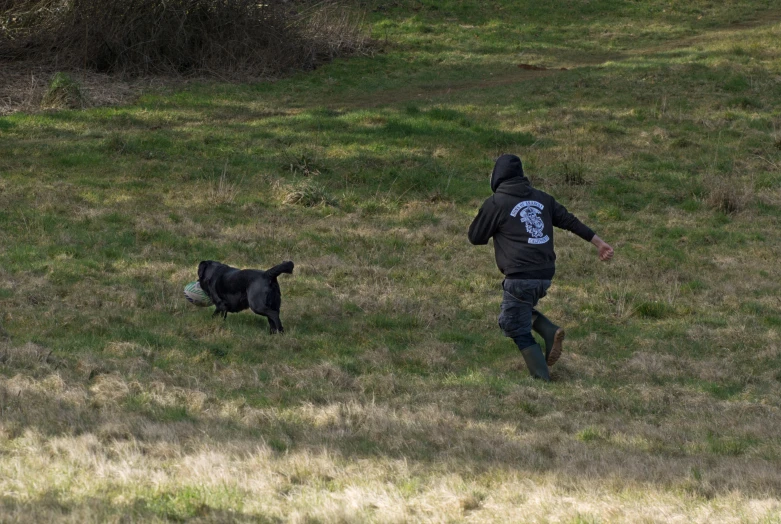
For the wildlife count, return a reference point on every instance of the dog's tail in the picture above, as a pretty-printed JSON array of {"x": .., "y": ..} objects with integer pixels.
[{"x": 284, "y": 267}]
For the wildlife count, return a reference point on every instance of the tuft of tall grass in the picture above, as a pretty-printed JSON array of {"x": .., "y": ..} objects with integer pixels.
[
  {"x": 307, "y": 193},
  {"x": 63, "y": 93},
  {"x": 727, "y": 195},
  {"x": 223, "y": 191}
]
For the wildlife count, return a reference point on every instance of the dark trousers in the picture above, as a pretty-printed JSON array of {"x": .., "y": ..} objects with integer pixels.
[{"x": 518, "y": 302}]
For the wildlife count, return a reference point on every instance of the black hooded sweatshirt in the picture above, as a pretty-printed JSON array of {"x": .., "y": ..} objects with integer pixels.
[{"x": 520, "y": 219}]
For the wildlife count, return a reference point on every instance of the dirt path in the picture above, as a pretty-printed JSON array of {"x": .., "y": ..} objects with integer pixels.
[
  {"x": 769, "y": 19},
  {"x": 410, "y": 94}
]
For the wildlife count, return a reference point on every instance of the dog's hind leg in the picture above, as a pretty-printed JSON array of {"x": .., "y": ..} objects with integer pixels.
[
  {"x": 275, "y": 324},
  {"x": 261, "y": 298}
]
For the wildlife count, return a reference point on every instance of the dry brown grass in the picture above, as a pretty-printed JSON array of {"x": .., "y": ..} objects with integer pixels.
[
  {"x": 23, "y": 86},
  {"x": 313, "y": 484}
]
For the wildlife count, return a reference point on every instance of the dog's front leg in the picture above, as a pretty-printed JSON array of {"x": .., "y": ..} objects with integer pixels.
[{"x": 219, "y": 309}]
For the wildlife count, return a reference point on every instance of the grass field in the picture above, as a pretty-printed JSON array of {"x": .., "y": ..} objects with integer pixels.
[{"x": 393, "y": 396}]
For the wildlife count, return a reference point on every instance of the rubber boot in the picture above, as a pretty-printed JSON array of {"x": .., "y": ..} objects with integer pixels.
[
  {"x": 552, "y": 334},
  {"x": 535, "y": 361}
]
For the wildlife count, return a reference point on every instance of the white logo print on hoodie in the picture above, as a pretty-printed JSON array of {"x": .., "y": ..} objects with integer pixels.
[{"x": 530, "y": 211}]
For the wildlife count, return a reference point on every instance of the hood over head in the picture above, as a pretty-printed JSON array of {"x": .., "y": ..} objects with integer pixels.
[{"x": 508, "y": 171}]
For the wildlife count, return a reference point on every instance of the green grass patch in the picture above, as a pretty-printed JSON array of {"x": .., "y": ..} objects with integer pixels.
[{"x": 393, "y": 389}]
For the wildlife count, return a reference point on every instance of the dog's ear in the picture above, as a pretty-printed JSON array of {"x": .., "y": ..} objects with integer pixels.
[{"x": 202, "y": 269}]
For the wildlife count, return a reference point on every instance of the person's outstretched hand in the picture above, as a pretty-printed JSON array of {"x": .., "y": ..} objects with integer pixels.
[{"x": 605, "y": 251}]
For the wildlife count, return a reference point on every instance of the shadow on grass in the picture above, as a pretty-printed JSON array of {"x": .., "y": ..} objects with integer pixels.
[
  {"x": 527, "y": 428},
  {"x": 162, "y": 507}
]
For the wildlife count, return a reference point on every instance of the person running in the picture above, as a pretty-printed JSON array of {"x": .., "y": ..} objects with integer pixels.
[{"x": 520, "y": 219}]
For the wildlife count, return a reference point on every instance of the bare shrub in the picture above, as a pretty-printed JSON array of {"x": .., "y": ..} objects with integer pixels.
[{"x": 233, "y": 37}]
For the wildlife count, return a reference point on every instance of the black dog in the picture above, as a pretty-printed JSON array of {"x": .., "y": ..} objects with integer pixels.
[{"x": 233, "y": 290}]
